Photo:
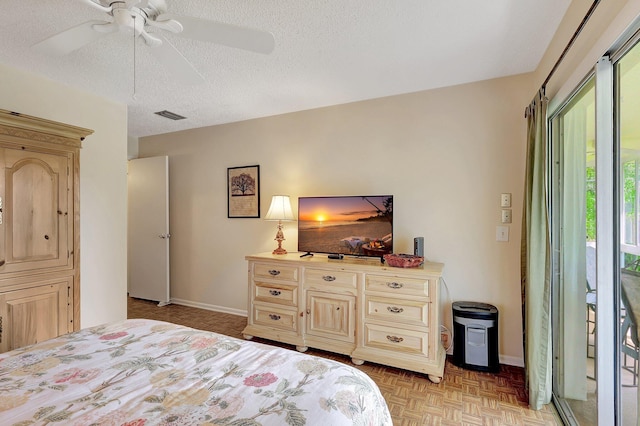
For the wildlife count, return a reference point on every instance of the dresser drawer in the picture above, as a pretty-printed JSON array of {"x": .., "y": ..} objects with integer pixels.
[
  {"x": 397, "y": 340},
  {"x": 397, "y": 285},
  {"x": 412, "y": 312},
  {"x": 281, "y": 272},
  {"x": 335, "y": 278},
  {"x": 281, "y": 294},
  {"x": 274, "y": 317}
]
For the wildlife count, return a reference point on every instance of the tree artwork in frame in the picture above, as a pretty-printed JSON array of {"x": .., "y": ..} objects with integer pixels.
[{"x": 243, "y": 196}]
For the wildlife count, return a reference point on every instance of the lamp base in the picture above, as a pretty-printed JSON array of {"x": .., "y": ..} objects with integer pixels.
[{"x": 279, "y": 238}]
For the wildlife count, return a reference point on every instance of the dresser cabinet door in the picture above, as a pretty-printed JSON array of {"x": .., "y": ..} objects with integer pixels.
[
  {"x": 331, "y": 315},
  {"x": 34, "y": 314},
  {"x": 37, "y": 211}
]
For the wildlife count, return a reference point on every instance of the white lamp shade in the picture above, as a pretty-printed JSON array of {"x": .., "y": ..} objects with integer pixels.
[{"x": 280, "y": 209}]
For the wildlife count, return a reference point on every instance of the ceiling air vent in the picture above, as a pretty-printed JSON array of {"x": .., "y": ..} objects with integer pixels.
[{"x": 170, "y": 115}]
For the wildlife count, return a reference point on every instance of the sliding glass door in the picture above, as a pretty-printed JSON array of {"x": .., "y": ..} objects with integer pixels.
[
  {"x": 595, "y": 211},
  {"x": 574, "y": 241},
  {"x": 627, "y": 77}
]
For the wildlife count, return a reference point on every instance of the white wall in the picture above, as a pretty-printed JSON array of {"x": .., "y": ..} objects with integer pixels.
[
  {"x": 103, "y": 184},
  {"x": 132, "y": 148},
  {"x": 445, "y": 155}
]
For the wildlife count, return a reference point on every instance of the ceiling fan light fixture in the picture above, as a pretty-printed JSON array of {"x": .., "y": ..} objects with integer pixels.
[
  {"x": 140, "y": 18},
  {"x": 170, "y": 115}
]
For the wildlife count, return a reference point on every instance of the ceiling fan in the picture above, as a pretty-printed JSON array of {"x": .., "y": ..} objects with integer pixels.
[{"x": 142, "y": 18}]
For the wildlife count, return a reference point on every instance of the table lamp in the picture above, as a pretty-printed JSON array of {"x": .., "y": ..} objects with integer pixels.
[{"x": 280, "y": 210}]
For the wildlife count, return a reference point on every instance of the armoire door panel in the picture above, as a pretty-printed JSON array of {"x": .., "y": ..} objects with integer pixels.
[
  {"x": 37, "y": 211},
  {"x": 34, "y": 314}
]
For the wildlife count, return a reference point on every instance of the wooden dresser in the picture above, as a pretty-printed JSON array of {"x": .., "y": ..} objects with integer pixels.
[
  {"x": 354, "y": 306},
  {"x": 39, "y": 229}
]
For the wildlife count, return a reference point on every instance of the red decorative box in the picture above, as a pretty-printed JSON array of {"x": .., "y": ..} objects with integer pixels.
[{"x": 403, "y": 260}]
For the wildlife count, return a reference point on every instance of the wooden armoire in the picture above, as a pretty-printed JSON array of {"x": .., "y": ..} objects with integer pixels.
[{"x": 39, "y": 229}]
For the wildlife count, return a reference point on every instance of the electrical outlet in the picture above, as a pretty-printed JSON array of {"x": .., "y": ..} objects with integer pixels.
[
  {"x": 506, "y": 216},
  {"x": 505, "y": 199}
]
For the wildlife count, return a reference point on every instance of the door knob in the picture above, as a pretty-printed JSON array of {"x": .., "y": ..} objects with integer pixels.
[{"x": 164, "y": 236}]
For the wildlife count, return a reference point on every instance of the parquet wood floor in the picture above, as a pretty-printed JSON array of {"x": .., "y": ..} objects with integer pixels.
[{"x": 464, "y": 397}]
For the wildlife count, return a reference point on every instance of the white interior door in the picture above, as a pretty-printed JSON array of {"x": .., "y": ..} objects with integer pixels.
[{"x": 148, "y": 229}]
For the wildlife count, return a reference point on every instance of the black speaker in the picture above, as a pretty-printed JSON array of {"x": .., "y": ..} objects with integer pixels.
[{"x": 418, "y": 246}]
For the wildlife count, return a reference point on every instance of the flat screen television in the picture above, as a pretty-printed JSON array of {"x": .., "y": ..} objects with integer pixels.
[{"x": 348, "y": 225}]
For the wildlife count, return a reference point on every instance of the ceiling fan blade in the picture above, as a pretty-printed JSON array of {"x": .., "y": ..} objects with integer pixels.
[
  {"x": 106, "y": 27},
  {"x": 150, "y": 40},
  {"x": 69, "y": 40},
  {"x": 177, "y": 64},
  {"x": 225, "y": 34},
  {"x": 98, "y": 6},
  {"x": 167, "y": 24}
]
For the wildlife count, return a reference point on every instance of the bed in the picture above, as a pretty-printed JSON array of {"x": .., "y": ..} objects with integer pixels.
[{"x": 145, "y": 372}]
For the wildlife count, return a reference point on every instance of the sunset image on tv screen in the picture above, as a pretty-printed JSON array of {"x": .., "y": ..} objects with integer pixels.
[{"x": 357, "y": 225}]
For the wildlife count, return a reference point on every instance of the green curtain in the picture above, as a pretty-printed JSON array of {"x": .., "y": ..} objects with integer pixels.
[{"x": 536, "y": 261}]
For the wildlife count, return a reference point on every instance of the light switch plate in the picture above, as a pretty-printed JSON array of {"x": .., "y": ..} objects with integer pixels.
[{"x": 502, "y": 233}]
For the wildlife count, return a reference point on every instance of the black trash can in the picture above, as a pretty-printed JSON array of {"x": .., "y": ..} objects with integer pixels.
[{"x": 475, "y": 336}]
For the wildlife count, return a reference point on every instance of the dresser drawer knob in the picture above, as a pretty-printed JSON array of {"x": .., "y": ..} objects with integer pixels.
[
  {"x": 274, "y": 292},
  {"x": 328, "y": 278},
  {"x": 394, "y": 284},
  {"x": 395, "y": 339},
  {"x": 274, "y": 272},
  {"x": 395, "y": 309},
  {"x": 274, "y": 317}
]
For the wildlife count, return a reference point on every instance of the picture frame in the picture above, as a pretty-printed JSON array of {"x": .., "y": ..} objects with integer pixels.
[{"x": 243, "y": 192}]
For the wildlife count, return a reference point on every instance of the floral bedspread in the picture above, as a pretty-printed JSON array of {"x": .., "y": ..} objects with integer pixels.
[{"x": 143, "y": 372}]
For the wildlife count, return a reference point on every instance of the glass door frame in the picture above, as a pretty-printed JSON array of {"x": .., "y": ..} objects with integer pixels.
[
  {"x": 608, "y": 235},
  {"x": 555, "y": 165},
  {"x": 607, "y": 251}
]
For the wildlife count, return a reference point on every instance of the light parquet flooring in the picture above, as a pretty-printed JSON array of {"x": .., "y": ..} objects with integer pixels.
[{"x": 464, "y": 397}]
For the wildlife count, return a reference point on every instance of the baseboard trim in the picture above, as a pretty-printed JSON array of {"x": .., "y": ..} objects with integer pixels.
[
  {"x": 502, "y": 359},
  {"x": 208, "y": 307},
  {"x": 511, "y": 360}
]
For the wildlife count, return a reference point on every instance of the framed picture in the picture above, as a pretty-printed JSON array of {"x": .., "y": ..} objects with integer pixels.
[{"x": 243, "y": 191}]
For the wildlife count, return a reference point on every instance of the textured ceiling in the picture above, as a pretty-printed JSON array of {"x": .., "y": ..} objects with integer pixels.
[{"x": 327, "y": 52}]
